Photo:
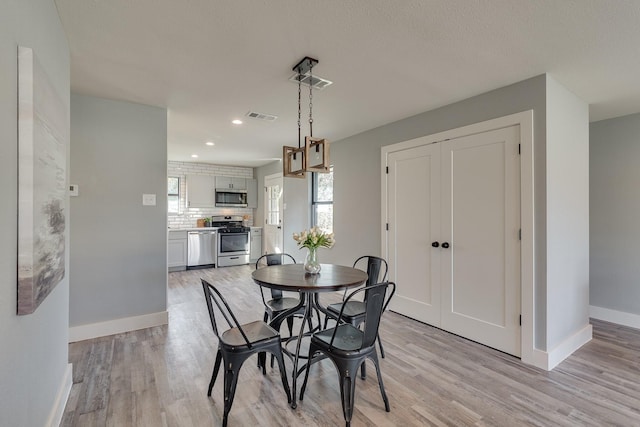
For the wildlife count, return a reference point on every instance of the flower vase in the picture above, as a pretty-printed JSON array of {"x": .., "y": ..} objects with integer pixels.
[{"x": 311, "y": 263}]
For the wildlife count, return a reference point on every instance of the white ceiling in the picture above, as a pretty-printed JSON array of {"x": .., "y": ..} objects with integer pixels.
[{"x": 211, "y": 61}]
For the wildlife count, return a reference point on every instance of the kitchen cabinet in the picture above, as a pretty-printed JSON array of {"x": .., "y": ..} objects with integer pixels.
[
  {"x": 252, "y": 193},
  {"x": 200, "y": 191},
  {"x": 231, "y": 183},
  {"x": 256, "y": 243},
  {"x": 177, "y": 250}
]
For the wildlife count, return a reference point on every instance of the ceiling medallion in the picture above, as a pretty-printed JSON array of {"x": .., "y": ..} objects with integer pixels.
[{"x": 314, "y": 155}]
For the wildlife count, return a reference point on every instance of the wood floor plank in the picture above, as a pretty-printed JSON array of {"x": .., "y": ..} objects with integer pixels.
[{"x": 159, "y": 376}]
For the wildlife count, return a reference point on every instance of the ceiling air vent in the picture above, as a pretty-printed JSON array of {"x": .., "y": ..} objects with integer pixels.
[
  {"x": 261, "y": 116},
  {"x": 316, "y": 82}
]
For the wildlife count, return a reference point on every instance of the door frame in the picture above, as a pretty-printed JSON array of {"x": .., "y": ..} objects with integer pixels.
[
  {"x": 524, "y": 120},
  {"x": 277, "y": 175}
]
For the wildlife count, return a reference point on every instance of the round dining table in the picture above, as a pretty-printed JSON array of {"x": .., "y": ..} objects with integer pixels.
[{"x": 293, "y": 278}]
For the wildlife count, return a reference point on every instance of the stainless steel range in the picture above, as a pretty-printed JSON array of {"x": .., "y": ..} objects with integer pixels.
[{"x": 233, "y": 241}]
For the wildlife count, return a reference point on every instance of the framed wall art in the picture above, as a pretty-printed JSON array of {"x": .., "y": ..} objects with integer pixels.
[{"x": 42, "y": 150}]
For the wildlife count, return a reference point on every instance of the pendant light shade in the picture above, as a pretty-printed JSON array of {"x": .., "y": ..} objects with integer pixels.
[
  {"x": 314, "y": 155},
  {"x": 294, "y": 163}
]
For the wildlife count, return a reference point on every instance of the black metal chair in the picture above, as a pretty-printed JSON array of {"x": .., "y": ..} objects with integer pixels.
[
  {"x": 348, "y": 347},
  {"x": 278, "y": 302},
  {"x": 354, "y": 311},
  {"x": 238, "y": 343}
]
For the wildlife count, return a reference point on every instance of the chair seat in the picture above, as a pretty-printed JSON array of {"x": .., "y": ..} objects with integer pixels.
[
  {"x": 348, "y": 339},
  {"x": 282, "y": 304},
  {"x": 256, "y": 332},
  {"x": 351, "y": 310}
]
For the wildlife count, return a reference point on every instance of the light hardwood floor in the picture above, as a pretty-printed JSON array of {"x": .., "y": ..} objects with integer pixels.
[{"x": 159, "y": 376}]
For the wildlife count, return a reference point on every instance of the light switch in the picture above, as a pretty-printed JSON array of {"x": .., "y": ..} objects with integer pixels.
[
  {"x": 73, "y": 190},
  {"x": 148, "y": 200}
]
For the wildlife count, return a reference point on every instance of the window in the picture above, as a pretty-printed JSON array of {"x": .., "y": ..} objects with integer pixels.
[
  {"x": 173, "y": 194},
  {"x": 322, "y": 200}
]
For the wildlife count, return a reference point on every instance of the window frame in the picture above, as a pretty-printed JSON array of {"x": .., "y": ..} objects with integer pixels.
[
  {"x": 169, "y": 195},
  {"x": 315, "y": 203}
]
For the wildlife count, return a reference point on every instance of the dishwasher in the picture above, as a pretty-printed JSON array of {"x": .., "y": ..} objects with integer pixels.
[{"x": 201, "y": 248}]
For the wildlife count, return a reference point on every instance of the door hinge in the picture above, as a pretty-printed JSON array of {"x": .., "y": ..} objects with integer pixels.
[
  {"x": 520, "y": 320},
  {"x": 519, "y": 148},
  {"x": 387, "y": 168},
  {"x": 387, "y": 227},
  {"x": 520, "y": 234}
]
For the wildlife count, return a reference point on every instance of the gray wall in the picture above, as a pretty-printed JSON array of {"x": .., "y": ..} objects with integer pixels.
[
  {"x": 615, "y": 210},
  {"x": 357, "y": 174},
  {"x": 34, "y": 350},
  {"x": 118, "y": 246},
  {"x": 357, "y": 192}
]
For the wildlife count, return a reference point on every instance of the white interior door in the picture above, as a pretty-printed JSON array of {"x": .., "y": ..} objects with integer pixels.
[
  {"x": 480, "y": 224},
  {"x": 273, "y": 233},
  {"x": 453, "y": 246},
  {"x": 413, "y": 188}
]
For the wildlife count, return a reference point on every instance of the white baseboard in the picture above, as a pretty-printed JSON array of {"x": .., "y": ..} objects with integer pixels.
[
  {"x": 117, "y": 326},
  {"x": 569, "y": 345},
  {"x": 548, "y": 360},
  {"x": 614, "y": 316},
  {"x": 540, "y": 359},
  {"x": 55, "y": 417}
]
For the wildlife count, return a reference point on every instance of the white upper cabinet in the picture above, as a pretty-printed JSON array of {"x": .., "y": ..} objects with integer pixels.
[
  {"x": 252, "y": 193},
  {"x": 200, "y": 191},
  {"x": 231, "y": 183}
]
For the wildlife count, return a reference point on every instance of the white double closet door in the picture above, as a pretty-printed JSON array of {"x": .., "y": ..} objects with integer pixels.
[{"x": 453, "y": 247}]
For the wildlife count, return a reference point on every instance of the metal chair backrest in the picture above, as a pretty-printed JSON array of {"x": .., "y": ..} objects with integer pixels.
[
  {"x": 377, "y": 301},
  {"x": 274, "y": 259},
  {"x": 214, "y": 297},
  {"x": 377, "y": 269}
]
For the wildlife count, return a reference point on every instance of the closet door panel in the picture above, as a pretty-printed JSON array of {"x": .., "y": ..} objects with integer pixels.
[{"x": 413, "y": 212}]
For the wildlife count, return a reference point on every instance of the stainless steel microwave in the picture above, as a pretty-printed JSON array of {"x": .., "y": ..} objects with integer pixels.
[{"x": 231, "y": 198}]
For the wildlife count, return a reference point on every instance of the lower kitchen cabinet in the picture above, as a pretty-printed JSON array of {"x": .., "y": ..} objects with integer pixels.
[{"x": 177, "y": 250}]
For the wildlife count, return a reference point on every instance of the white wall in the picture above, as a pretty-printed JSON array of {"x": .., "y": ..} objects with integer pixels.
[
  {"x": 33, "y": 348},
  {"x": 118, "y": 246},
  {"x": 615, "y": 214},
  {"x": 567, "y": 171}
]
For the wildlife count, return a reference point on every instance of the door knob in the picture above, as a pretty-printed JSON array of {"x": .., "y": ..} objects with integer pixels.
[
  {"x": 435, "y": 244},
  {"x": 445, "y": 245}
]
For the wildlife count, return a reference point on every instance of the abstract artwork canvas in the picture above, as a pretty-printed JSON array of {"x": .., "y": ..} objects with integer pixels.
[{"x": 42, "y": 142}]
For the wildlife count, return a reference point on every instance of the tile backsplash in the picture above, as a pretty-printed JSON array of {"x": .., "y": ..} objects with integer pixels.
[{"x": 187, "y": 217}]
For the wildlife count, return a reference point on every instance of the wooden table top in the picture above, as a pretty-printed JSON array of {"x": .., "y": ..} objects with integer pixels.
[{"x": 292, "y": 277}]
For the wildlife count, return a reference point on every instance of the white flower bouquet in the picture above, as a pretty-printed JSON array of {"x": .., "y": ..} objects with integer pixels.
[{"x": 314, "y": 238}]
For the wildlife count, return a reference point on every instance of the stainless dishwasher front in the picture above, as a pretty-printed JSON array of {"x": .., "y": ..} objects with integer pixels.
[{"x": 201, "y": 248}]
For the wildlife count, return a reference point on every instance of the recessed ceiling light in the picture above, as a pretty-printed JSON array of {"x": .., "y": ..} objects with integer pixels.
[
  {"x": 236, "y": 122},
  {"x": 209, "y": 143},
  {"x": 195, "y": 156}
]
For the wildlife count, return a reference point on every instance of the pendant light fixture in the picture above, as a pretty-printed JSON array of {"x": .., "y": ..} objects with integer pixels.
[{"x": 314, "y": 155}]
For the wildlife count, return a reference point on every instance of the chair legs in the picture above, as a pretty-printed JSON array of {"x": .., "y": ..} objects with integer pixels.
[
  {"x": 346, "y": 368},
  {"x": 233, "y": 363},
  {"x": 216, "y": 367},
  {"x": 283, "y": 374},
  {"x": 374, "y": 357}
]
